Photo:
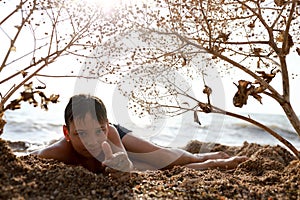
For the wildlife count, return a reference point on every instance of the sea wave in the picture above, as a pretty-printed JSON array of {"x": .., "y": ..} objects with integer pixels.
[{"x": 40, "y": 129}]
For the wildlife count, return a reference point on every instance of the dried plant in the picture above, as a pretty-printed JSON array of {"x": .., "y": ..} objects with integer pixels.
[
  {"x": 174, "y": 38},
  {"x": 57, "y": 29}
]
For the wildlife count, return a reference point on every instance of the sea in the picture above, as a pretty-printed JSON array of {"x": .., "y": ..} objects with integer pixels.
[{"x": 38, "y": 128}]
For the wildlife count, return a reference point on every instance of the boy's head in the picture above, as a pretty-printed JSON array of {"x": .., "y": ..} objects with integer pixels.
[{"x": 80, "y": 105}]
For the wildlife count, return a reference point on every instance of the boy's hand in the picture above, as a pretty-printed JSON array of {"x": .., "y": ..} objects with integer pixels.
[{"x": 118, "y": 161}]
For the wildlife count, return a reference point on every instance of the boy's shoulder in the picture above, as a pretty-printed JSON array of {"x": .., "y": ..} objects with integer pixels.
[{"x": 59, "y": 150}]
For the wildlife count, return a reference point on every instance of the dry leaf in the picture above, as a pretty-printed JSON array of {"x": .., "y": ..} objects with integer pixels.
[
  {"x": 207, "y": 90},
  {"x": 24, "y": 74},
  {"x": 183, "y": 62},
  {"x": 54, "y": 98},
  {"x": 280, "y": 37},
  {"x": 279, "y": 2},
  {"x": 251, "y": 25},
  {"x": 28, "y": 96},
  {"x": 257, "y": 97},
  {"x": 223, "y": 36},
  {"x": 205, "y": 107},
  {"x": 290, "y": 41},
  {"x": 267, "y": 77},
  {"x": 244, "y": 8},
  {"x": 246, "y": 88},
  {"x": 196, "y": 119},
  {"x": 298, "y": 50},
  {"x": 257, "y": 51},
  {"x": 241, "y": 96},
  {"x": 13, "y": 48}
]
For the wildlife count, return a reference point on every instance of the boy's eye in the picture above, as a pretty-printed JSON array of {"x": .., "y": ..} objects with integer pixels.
[
  {"x": 80, "y": 133},
  {"x": 100, "y": 131}
]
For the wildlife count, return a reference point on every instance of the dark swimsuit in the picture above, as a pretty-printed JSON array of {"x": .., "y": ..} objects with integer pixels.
[{"x": 121, "y": 130}]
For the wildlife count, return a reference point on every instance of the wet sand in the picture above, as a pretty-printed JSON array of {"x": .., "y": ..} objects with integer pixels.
[{"x": 271, "y": 173}]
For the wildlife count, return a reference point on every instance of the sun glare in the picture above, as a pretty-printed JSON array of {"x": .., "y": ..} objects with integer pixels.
[
  {"x": 105, "y": 4},
  {"x": 108, "y": 5}
]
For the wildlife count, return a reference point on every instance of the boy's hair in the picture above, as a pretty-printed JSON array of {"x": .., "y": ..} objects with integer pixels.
[{"x": 80, "y": 105}]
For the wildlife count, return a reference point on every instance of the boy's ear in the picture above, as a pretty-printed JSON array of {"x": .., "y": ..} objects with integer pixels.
[
  {"x": 107, "y": 128},
  {"x": 66, "y": 132}
]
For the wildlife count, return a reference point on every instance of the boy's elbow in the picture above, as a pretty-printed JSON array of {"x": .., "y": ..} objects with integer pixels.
[
  {"x": 36, "y": 152},
  {"x": 42, "y": 153}
]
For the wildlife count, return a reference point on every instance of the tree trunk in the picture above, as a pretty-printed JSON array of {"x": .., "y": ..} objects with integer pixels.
[
  {"x": 291, "y": 115},
  {"x": 2, "y": 121}
]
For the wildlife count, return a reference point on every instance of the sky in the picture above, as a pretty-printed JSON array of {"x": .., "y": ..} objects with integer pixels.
[
  {"x": 223, "y": 88},
  {"x": 69, "y": 86}
]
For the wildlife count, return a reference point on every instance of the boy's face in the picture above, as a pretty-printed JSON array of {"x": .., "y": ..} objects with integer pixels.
[{"x": 86, "y": 135}]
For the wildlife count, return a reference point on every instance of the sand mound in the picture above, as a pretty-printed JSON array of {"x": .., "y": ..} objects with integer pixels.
[{"x": 270, "y": 173}]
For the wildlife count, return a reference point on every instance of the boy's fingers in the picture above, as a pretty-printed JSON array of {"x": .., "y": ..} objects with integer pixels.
[{"x": 107, "y": 151}]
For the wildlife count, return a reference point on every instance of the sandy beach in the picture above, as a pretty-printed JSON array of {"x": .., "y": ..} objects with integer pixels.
[{"x": 270, "y": 173}]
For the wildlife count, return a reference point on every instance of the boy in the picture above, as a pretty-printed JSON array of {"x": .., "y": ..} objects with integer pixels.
[{"x": 92, "y": 142}]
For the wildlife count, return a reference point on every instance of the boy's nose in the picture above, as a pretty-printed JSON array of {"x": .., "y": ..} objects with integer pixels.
[{"x": 92, "y": 142}]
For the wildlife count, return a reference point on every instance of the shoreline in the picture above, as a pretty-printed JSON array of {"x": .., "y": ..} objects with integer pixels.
[{"x": 271, "y": 172}]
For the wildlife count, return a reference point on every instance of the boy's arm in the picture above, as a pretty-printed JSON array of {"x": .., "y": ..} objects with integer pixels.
[
  {"x": 55, "y": 151},
  {"x": 158, "y": 157},
  {"x": 161, "y": 158},
  {"x": 229, "y": 163}
]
